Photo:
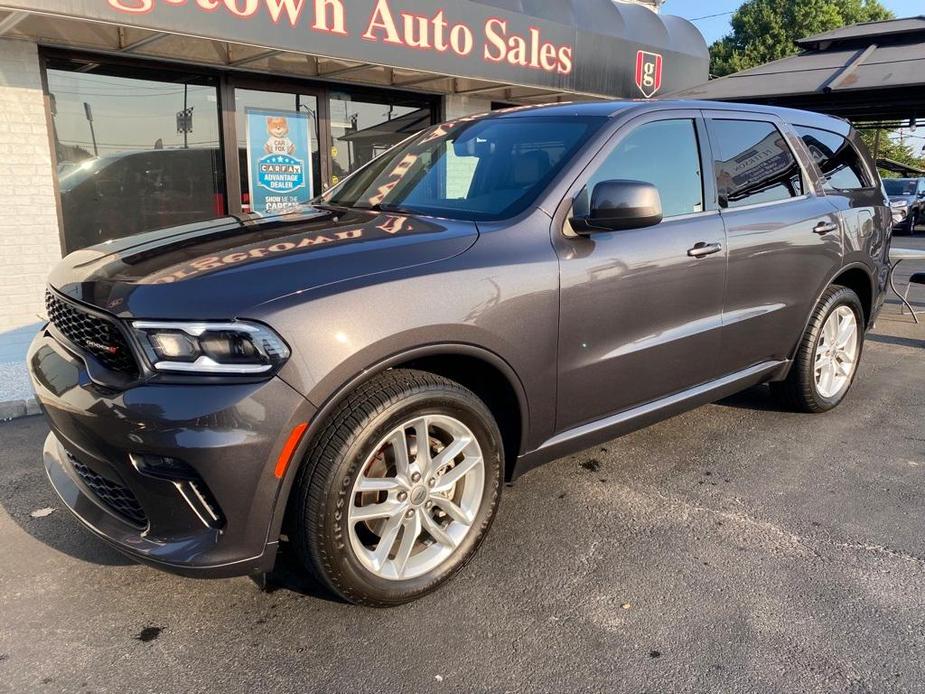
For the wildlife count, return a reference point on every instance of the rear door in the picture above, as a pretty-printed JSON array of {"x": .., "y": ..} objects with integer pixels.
[
  {"x": 853, "y": 187},
  {"x": 641, "y": 317},
  {"x": 784, "y": 240}
]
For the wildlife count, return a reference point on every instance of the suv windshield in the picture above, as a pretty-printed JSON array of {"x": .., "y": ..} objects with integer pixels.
[
  {"x": 900, "y": 186},
  {"x": 485, "y": 169}
]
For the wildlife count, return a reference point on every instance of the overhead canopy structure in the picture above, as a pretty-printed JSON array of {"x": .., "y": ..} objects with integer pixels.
[
  {"x": 898, "y": 167},
  {"x": 873, "y": 71},
  {"x": 573, "y": 47}
]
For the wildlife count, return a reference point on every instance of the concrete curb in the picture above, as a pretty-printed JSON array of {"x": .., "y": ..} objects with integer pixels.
[{"x": 14, "y": 409}]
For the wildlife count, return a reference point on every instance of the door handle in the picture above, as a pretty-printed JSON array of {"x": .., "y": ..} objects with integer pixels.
[
  {"x": 703, "y": 249},
  {"x": 825, "y": 227}
]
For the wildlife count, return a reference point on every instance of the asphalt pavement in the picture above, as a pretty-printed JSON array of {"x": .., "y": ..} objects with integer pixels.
[{"x": 735, "y": 548}]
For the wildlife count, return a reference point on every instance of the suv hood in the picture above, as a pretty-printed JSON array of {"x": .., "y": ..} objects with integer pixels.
[
  {"x": 218, "y": 269},
  {"x": 903, "y": 198}
]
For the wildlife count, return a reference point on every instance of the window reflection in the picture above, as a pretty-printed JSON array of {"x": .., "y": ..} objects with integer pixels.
[
  {"x": 126, "y": 143},
  {"x": 363, "y": 128},
  {"x": 838, "y": 161},
  {"x": 755, "y": 164}
]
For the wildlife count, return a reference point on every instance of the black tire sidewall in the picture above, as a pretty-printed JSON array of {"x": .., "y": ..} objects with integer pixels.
[
  {"x": 842, "y": 296},
  {"x": 342, "y": 568}
]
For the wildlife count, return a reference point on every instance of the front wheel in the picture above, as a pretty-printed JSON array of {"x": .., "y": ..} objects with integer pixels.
[
  {"x": 399, "y": 490},
  {"x": 827, "y": 358}
]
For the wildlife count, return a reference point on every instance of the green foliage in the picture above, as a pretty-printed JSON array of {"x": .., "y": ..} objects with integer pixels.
[
  {"x": 766, "y": 30},
  {"x": 892, "y": 149}
]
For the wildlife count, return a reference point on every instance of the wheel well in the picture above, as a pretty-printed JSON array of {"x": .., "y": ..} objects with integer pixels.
[
  {"x": 490, "y": 385},
  {"x": 859, "y": 282}
]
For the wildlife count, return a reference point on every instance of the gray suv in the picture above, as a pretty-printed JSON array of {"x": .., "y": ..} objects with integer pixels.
[{"x": 357, "y": 379}]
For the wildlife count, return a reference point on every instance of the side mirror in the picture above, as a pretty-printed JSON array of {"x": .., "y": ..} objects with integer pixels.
[{"x": 617, "y": 205}]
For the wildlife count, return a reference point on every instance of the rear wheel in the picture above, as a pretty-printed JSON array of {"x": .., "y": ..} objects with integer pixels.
[
  {"x": 827, "y": 358},
  {"x": 399, "y": 490}
]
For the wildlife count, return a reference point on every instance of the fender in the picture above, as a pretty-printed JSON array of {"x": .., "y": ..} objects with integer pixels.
[
  {"x": 782, "y": 374},
  {"x": 330, "y": 404}
]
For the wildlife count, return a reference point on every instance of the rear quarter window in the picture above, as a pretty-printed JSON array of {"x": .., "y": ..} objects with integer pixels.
[{"x": 840, "y": 163}]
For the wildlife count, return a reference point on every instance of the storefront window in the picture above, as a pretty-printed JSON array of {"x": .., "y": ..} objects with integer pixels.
[
  {"x": 362, "y": 128},
  {"x": 278, "y": 106},
  {"x": 134, "y": 152}
]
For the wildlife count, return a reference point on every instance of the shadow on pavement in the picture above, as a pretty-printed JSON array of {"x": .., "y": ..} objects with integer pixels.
[
  {"x": 24, "y": 488},
  {"x": 755, "y": 398},
  {"x": 289, "y": 574},
  {"x": 896, "y": 340}
]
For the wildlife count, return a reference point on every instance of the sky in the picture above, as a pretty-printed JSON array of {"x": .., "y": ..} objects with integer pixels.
[{"x": 714, "y": 27}]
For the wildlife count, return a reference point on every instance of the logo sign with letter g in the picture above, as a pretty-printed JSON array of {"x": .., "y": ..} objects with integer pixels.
[{"x": 648, "y": 73}]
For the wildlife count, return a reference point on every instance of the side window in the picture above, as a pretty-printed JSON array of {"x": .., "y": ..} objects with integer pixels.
[
  {"x": 665, "y": 154},
  {"x": 754, "y": 163},
  {"x": 838, "y": 160}
]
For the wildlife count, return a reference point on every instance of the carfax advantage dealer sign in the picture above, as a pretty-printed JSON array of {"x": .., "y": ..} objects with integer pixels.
[{"x": 458, "y": 38}]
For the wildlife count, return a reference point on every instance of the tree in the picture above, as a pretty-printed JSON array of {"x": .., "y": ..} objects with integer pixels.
[
  {"x": 766, "y": 30},
  {"x": 890, "y": 148}
]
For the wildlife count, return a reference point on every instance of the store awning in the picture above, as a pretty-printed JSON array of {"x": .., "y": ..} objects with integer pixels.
[
  {"x": 584, "y": 47},
  {"x": 872, "y": 71}
]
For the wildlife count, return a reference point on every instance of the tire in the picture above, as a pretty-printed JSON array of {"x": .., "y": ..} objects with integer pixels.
[
  {"x": 802, "y": 390},
  {"x": 352, "y": 456},
  {"x": 913, "y": 221}
]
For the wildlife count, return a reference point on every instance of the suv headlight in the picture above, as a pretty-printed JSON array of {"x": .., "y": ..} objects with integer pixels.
[{"x": 235, "y": 348}]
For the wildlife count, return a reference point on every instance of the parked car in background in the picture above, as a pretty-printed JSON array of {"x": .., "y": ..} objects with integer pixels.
[
  {"x": 912, "y": 192},
  {"x": 359, "y": 378}
]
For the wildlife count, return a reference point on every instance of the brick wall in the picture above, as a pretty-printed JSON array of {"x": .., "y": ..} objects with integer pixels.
[{"x": 29, "y": 240}]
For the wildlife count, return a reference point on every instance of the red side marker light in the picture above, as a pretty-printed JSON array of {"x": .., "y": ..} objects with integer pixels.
[{"x": 285, "y": 455}]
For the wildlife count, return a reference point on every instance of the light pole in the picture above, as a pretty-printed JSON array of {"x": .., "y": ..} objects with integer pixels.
[{"x": 89, "y": 112}]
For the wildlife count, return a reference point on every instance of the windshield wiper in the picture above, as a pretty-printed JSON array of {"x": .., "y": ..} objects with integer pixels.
[{"x": 387, "y": 207}]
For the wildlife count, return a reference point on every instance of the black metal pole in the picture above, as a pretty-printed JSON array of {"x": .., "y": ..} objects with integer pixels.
[{"x": 185, "y": 116}]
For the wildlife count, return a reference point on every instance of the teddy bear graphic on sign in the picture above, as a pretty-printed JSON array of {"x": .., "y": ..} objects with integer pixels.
[{"x": 278, "y": 142}]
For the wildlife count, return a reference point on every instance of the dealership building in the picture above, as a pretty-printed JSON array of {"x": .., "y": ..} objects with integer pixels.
[{"x": 122, "y": 116}]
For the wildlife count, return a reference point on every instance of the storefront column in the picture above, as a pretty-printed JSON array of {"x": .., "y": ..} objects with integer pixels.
[
  {"x": 457, "y": 106},
  {"x": 29, "y": 238}
]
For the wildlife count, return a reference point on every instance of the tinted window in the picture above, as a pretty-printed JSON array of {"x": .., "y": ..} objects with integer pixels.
[
  {"x": 480, "y": 169},
  {"x": 754, "y": 163},
  {"x": 665, "y": 154},
  {"x": 900, "y": 186},
  {"x": 123, "y": 144},
  {"x": 837, "y": 159}
]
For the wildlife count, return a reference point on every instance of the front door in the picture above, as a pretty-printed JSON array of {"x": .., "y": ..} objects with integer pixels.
[{"x": 641, "y": 309}]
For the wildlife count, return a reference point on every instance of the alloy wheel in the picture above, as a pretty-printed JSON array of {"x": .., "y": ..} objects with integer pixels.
[
  {"x": 836, "y": 352},
  {"x": 416, "y": 497}
]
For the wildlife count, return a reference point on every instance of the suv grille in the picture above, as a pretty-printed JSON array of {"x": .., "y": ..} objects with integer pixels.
[
  {"x": 97, "y": 336},
  {"x": 115, "y": 496}
]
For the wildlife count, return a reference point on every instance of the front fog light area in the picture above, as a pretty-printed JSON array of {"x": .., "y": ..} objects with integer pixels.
[{"x": 211, "y": 348}]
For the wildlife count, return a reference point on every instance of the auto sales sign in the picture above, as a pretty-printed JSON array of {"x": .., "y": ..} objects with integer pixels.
[
  {"x": 494, "y": 40},
  {"x": 592, "y": 47}
]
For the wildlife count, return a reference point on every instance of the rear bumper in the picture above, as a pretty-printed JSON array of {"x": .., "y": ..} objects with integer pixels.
[{"x": 222, "y": 519}]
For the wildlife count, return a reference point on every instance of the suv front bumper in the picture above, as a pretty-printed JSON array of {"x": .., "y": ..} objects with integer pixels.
[{"x": 221, "y": 516}]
